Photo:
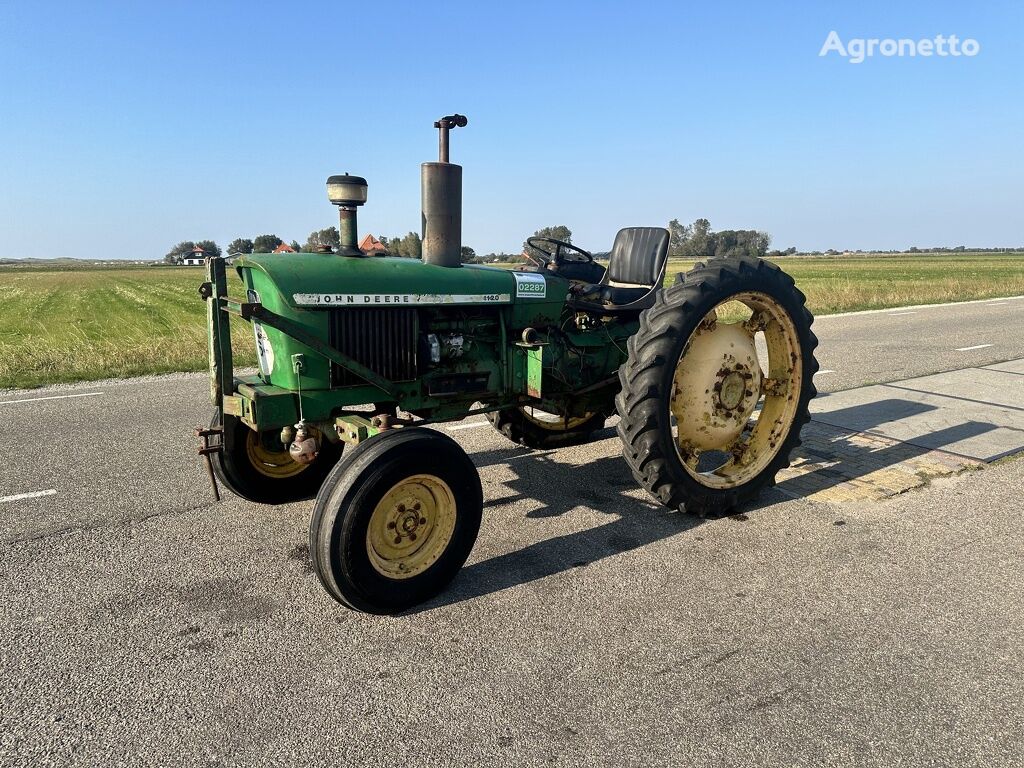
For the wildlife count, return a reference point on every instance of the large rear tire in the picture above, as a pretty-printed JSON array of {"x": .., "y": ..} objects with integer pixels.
[
  {"x": 539, "y": 429},
  {"x": 703, "y": 426},
  {"x": 395, "y": 521},
  {"x": 257, "y": 467}
]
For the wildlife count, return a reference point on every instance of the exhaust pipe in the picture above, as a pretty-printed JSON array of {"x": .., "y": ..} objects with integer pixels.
[{"x": 441, "y": 186}]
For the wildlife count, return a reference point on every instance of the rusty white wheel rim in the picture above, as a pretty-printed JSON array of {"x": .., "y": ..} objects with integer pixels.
[
  {"x": 727, "y": 408},
  {"x": 553, "y": 422}
]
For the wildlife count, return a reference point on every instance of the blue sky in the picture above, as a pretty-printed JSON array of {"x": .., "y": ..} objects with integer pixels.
[{"x": 129, "y": 126}]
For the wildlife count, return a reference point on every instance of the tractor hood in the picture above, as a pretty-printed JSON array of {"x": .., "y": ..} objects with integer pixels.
[{"x": 315, "y": 280}]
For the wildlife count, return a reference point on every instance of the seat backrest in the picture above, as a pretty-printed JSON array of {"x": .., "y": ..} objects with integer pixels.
[{"x": 638, "y": 256}]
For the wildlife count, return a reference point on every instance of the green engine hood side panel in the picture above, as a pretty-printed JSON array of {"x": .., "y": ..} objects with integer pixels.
[
  {"x": 315, "y": 280},
  {"x": 300, "y": 286}
]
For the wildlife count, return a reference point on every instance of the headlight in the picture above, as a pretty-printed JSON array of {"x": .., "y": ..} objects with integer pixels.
[{"x": 264, "y": 352}]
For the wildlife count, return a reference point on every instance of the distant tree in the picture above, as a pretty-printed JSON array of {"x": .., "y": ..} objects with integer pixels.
[
  {"x": 321, "y": 237},
  {"x": 699, "y": 245},
  {"x": 180, "y": 252},
  {"x": 412, "y": 246},
  {"x": 468, "y": 255},
  {"x": 560, "y": 232},
  {"x": 240, "y": 245},
  {"x": 266, "y": 243},
  {"x": 678, "y": 234},
  {"x": 409, "y": 247},
  {"x": 739, "y": 242},
  {"x": 295, "y": 246},
  {"x": 701, "y": 228},
  {"x": 209, "y": 247},
  {"x": 697, "y": 241}
]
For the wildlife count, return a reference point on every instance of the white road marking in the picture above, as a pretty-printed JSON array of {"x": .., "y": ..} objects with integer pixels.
[
  {"x": 32, "y": 495},
  {"x": 468, "y": 425},
  {"x": 976, "y": 346},
  {"x": 824, "y": 370},
  {"x": 50, "y": 397},
  {"x": 897, "y": 314},
  {"x": 530, "y": 455},
  {"x": 997, "y": 303}
]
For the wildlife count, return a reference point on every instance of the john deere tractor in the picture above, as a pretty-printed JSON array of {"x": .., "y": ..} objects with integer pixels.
[{"x": 360, "y": 355}]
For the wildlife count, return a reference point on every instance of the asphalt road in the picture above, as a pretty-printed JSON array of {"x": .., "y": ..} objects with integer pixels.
[
  {"x": 142, "y": 624},
  {"x": 874, "y": 347}
]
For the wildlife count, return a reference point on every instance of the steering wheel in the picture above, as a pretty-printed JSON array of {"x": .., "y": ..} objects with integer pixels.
[{"x": 558, "y": 251}]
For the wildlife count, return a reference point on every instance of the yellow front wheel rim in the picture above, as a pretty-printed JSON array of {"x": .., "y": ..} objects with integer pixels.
[
  {"x": 411, "y": 526},
  {"x": 275, "y": 464}
]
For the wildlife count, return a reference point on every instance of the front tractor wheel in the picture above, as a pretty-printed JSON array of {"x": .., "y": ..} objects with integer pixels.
[
  {"x": 717, "y": 385},
  {"x": 256, "y": 466},
  {"x": 395, "y": 521},
  {"x": 535, "y": 428}
]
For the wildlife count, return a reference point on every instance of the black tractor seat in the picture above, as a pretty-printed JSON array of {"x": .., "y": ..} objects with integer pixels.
[{"x": 636, "y": 269}]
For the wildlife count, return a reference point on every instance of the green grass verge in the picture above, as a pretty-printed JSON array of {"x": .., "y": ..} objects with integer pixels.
[{"x": 86, "y": 324}]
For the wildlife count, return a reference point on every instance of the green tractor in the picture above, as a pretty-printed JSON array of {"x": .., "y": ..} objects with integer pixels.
[{"x": 710, "y": 379}]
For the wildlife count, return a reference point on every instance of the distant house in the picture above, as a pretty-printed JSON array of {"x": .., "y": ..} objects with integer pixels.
[
  {"x": 196, "y": 258},
  {"x": 284, "y": 248},
  {"x": 371, "y": 245}
]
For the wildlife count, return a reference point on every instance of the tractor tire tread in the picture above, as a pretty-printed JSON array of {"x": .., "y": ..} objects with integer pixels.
[{"x": 641, "y": 399}]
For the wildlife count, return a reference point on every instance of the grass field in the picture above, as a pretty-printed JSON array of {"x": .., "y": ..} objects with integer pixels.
[
  {"x": 59, "y": 326},
  {"x": 849, "y": 283}
]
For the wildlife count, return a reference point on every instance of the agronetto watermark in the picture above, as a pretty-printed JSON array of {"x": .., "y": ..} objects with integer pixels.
[{"x": 857, "y": 49}]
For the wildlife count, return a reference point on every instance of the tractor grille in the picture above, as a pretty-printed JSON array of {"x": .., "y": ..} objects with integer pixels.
[{"x": 384, "y": 340}]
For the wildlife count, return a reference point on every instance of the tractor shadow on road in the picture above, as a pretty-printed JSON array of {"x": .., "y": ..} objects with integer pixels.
[
  {"x": 840, "y": 450},
  {"x": 603, "y": 484},
  {"x": 557, "y": 485}
]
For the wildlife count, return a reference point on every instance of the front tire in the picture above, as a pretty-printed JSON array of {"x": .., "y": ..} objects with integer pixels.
[
  {"x": 395, "y": 521},
  {"x": 703, "y": 426},
  {"x": 256, "y": 466}
]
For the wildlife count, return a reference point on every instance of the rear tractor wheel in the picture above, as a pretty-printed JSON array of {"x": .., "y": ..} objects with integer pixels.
[
  {"x": 535, "y": 428},
  {"x": 257, "y": 466},
  {"x": 717, "y": 385},
  {"x": 395, "y": 521}
]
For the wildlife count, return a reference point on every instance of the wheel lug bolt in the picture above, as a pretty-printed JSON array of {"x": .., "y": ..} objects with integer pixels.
[
  {"x": 398, "y": 539},
  {"x": 412, "y": 536},
  {"x": 391, "y": 525},
  {"x": 416, "y": 506},
  {"x": 401, "y": 507},
  {"x": 423, "y": 521}
]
